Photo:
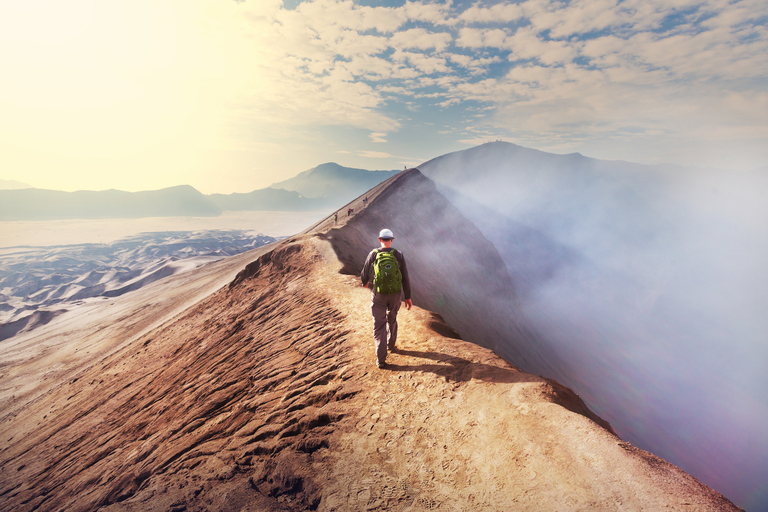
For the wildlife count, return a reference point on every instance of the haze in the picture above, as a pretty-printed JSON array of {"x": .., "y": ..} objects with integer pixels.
[{"x": 650, "y": 284}]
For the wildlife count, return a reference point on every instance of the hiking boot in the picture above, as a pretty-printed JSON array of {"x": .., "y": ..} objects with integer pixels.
[
  {"x": 381, "y": 364},
  {"x": 394, "y": 350}
]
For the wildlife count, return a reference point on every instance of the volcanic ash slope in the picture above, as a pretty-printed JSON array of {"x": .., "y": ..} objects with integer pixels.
[{"x": 265, "y": 396}]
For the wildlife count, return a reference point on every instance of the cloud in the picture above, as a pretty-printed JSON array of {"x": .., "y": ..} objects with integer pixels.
[
  {"x": 378, "y": 137},
  {"x": 481, "y": 38},
  {"x": 424, "y": 63},
  {"x": 428, "y": 12},
  {"x": 495, "y": 14},
  {"x": 475, "y": 65},
  {"x": 526, "y": 44},
  {"x": 347, "y": 14},
  {"x": 606, "y": 67},
  {"x": 420, "y": 39},
  {"x": 578, "y": 17},
  {"x": 374, "y": 154}
]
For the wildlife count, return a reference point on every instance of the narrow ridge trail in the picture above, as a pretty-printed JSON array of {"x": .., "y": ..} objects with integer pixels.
[{"x": 449, "y": 425}]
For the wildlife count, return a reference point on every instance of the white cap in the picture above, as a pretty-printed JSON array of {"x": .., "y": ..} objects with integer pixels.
[{"x": 386, "y": 234}]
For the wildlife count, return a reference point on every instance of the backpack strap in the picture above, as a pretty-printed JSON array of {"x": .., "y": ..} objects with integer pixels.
[{"x": 376, "y": 253}]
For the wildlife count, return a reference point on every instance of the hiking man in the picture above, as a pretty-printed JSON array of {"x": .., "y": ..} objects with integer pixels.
[{"x": 385, "y": 269}]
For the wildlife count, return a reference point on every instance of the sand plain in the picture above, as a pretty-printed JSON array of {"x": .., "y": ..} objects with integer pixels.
[
  {"x": 50, "y": 267},
  {"x": 83, "y": 231}
]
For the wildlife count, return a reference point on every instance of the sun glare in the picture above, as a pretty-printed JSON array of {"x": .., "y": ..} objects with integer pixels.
[{"x": 88, "y": 82}]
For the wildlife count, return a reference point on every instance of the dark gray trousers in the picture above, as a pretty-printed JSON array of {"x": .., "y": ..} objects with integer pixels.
[{"x": 384, "y": 307}]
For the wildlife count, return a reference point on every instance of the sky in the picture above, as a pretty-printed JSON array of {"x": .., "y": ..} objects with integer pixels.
[{"x": 232, "y": 96}]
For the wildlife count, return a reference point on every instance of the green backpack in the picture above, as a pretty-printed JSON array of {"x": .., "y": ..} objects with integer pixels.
[{"x": 386, "y": 273}]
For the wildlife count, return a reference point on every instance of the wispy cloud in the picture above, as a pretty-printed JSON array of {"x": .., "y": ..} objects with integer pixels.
[
  {"x": 375, "y": 154},
  {"x": 587, "y": 66},
  {"x": 378, "y": 137}
]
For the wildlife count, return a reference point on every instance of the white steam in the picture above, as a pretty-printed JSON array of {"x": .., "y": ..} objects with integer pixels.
[{"x": 652, "y": 285}]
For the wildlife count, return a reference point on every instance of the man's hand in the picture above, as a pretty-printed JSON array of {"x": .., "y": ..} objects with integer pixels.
[{"x": 408, "y": 304}]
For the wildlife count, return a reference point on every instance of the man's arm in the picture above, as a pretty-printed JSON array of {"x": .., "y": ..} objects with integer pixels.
[
  {"x": 406, "y": 279},
  {"x": 365, "y": 275}
]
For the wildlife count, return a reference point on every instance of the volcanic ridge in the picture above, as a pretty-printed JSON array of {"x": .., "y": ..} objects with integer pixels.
[{"x": 264, "y": 395}]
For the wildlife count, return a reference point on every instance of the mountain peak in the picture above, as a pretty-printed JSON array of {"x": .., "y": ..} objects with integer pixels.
[
  {"x": 13, "y": 185},
  {"x": 332, "y": 179}
]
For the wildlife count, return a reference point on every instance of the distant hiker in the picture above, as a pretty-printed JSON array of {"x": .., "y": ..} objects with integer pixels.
[
  {"x": 385, "y": 269},
  {"x": 350, "y": 211},
  {"x": 336, "y": 218}
]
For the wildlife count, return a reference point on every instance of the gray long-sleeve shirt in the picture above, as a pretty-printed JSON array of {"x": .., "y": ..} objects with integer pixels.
[{"x": 367, "y": 274}]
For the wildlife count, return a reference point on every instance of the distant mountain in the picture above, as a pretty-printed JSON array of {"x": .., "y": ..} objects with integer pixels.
[
  {"x": 327, "y": 186},
  {"x": 13, "y": 185},
  {"x": 334, "y": 182},
  {"x": 266, "y": 199},
  {"x": 39, "y": 204}
]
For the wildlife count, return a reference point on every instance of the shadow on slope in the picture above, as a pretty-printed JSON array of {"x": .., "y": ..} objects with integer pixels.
[
  {"x": 27, "y": 323},
  {"x": 457, "y": 369},
  {"x": 532, "y": 257}
]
